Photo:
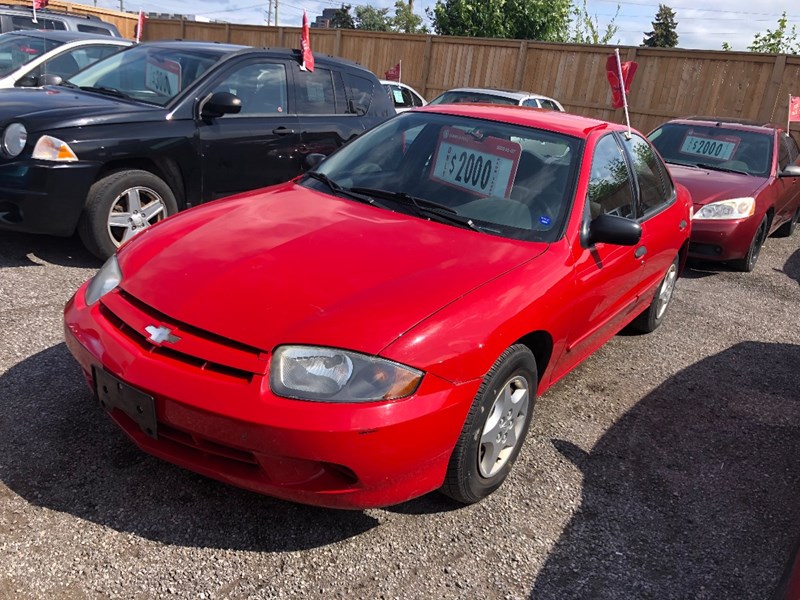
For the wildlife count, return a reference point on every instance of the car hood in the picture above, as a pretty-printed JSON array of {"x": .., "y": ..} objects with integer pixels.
[
  {"x": 708, "y": 186},
  {"x": 292, "y": 265},
  {"x": 58, "y": 106}
]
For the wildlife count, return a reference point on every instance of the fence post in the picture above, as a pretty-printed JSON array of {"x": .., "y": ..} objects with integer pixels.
[
  {"x": 769, "y": 101},
  {"x": 426, "y": 62},
  {"x": 522, "y": 59},
  {"x": 227, "y": 33},
  {"x": 337, "y": 42},
  {"x": 183, "y": 28}
]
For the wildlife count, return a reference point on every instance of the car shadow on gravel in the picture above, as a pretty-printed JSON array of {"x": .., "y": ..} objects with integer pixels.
[
  {"x": 28, "y": 250},
  {"x": 58, "y": 450},
  {"x": 693, "y": 492},
  {"x": 792, "y": 267}
]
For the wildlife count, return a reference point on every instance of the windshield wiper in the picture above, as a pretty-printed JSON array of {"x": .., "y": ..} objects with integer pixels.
[
  {"x": 424, "y": 208},
  {"x": 723, "y": 169},
  {"x": 338, "y": 189},
  {"x": 69, "y": 85},
  {"x": 108, "y": 91}
]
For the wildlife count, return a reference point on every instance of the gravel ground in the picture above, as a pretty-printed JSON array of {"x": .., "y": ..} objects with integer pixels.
[{"x": 666, "y": 466}]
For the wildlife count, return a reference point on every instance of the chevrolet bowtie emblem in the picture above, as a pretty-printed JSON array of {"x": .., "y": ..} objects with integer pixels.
[{"x": 159, "y": 335}]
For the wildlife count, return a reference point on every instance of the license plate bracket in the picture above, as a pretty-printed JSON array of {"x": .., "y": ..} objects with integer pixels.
[{"x": 114, "y": 393}]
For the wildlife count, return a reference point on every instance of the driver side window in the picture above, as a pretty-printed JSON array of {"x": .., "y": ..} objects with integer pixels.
[{"x": 610, "y": 189}]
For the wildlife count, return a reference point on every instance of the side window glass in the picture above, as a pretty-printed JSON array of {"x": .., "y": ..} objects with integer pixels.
[
  {"x": 360, "y": 90},
  {"x": 549, "y": 104},
  {"x": 609, "y": 182},
  {"x": 653, "y": 193},
  {"x": 314, "y": 92},
  {"x": 530, "y": 102},
  {"x": 783, "y": 153},
  {"x": 261, "y": 86},
  {"x": 417, "y": 100},
  {"x": 93, "y": 29}
]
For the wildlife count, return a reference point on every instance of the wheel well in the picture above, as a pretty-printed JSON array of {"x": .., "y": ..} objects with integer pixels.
[
  {"x": 684, "y": 256},
  {"x": 166, "y": 169},
  {"x": 541, "y": 344},
  {"x": 770, "y": 216}
]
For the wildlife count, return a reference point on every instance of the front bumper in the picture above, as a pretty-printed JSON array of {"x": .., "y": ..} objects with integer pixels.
[
  {"x": 44, "y": 197},
  {"x": 233, "y": 429},
  {"x": 722, "y": 240}
]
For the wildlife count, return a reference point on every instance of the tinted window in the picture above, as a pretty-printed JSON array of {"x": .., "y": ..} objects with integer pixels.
[
  {"x": 93, "y": 29},
  {"x": 794, "y": 151},
  {"x": 261, "y": 87},
  {"x": 530, "y": 102},
  {"x": 609, "y": 183},
  {"x": 27, "y": 23},
  {"x": 549, "y": 104},
  {"x": 417, "y": 100},
  {"x": 314, "y": 92},
  {"x": 653, "y": 191},
  {"x": 360, "y": 90}
]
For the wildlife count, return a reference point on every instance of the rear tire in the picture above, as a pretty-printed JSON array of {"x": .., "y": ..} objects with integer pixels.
[
  {"x": 748, "y": 263},
  {"x": 495, "y": 428},
  {"x": 119, "y": 206}
]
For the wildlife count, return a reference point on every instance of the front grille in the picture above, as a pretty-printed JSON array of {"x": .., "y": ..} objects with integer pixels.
[{"x": 201, "y": 349}]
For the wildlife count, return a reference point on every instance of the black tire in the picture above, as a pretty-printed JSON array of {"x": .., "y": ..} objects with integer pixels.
[
  {"x": 748, "y": 263},
  {"x": 653, "y": 316},
  {"x": 107, "y": 219},
  {"x": 477, "y": 468},
  {"x": 788, "y": 228}
]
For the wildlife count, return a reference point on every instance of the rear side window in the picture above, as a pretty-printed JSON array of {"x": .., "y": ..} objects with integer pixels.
[
  {"x": 93, "y": 29},
  {"x": 314, "y": 92},
  {"x": 360, "y": 90},
  {"x": 549, "y": 104}
]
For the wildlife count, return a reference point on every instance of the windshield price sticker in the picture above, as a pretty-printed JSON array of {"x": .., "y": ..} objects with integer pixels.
[
  {"x": 486, "y": 166},
  {"x": 163, "y": 76},
  {"x": 721, "y": 148}
]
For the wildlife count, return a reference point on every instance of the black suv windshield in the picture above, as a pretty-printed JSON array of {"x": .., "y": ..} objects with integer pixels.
[
  {"x": 152, "y": 74},
  {"x": 17, "y": 49},
  {"x": 715, "y": 147},
  {"x": 488, "y": 176}
]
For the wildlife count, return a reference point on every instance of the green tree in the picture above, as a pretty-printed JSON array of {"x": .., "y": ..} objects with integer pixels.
[
  {"x": 584, "y": 28},
  {"x": 405, "y": 20},
  {"x": 781, "y": 41},
  {"x": 663, "y": 34},
  {"x": 343, "y": 19},
  {"x": 726, "y": 46},
  {"x": 374, "y": 19},
  {"x": 545, "y": 20}
]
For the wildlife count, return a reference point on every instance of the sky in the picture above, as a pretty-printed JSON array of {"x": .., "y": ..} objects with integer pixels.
[{"x": 701, "y": 24}]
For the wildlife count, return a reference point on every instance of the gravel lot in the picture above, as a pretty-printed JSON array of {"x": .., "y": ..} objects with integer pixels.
[{"x": 666, "y": 466}]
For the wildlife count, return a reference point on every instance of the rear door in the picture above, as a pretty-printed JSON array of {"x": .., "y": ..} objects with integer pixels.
[{"x": 258, "y": 146}]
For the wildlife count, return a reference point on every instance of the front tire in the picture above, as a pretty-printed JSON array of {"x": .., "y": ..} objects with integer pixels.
[
  {"x": 748, "y": 263},
  {"x": 651, "y": 319},
  {"x": 495, "y": 428},
  {"x": 119, "y": 206}
]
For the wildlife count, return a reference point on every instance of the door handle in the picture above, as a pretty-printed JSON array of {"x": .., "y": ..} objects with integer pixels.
[
  {"x": 282, "y": 131},
  {"x": 640, "y": 251}
]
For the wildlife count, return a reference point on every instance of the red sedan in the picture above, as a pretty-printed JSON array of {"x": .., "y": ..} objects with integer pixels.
[
  {"x": 380, "y": 327},
  {"x": 744, "y": 180}
]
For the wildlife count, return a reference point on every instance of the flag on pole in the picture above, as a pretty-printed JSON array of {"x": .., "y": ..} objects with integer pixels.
[
  {"x": 305, "y": 46},
  {"x": 395, "y": 73},
  {"x": 38, "y": 5},
  {"x": 794, "y": 109},
  {"x": 628, "y": 70},
  {"x": 140, "y": 25}
]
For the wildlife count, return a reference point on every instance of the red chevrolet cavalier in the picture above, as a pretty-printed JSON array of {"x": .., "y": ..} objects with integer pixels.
[
  {"x": 380, "y": 327},
  {"x": 744, "y": 180}
]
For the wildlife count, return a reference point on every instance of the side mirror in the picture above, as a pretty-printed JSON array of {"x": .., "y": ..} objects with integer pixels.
[
  {"x": 355, "y": 109},
  {"x": 219, "y": 104},
  {"x": 44, "y": 79},
  {"x": 611, "y": 229},
  {"x": 790, "y": 171},
  {"x": 27, "y": 81},
  {"x": 312, "y": 160}
]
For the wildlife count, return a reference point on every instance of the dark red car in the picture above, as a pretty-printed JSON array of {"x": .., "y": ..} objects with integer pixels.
[
  {"x": 381, "y": 327},
  {"x": 744, "y": 180}
]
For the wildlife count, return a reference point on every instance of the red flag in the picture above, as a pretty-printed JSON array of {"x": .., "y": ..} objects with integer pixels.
[
  {"x": 794, "y": 108},
  {"x": 305, "y": 46},
  {"x": 393, "y": 74},
  {"x": 39, "y": 4},
  {"x": 140, "y": 25},
  {"x": 612, "y": 72}
]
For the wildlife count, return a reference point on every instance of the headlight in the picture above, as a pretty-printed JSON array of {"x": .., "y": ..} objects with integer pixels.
[
  {"x": 735, "y": 208},
  {"x": 332, "y": 375},
  {"x": 50, "y": 148},
  {"x": 107, "y": 278},
  {"x": 14, "y": 138}
]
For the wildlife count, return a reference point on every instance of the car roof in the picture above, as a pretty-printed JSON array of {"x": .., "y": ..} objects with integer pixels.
[
  {"x": 743, "y": 124},
  {"x": 515, "y": 94},
  {"x": 59, "y": 35},
  {"x": 560, "y": 122}
]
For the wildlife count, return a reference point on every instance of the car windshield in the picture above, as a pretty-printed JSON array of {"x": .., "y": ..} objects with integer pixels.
[
  {"x": 152, "y": 74},
  {"x": 713, "y": 147},
  {"x": 453, "y": 97},
  {"x": 16, "y": 50},
  {"x": 491, "y": 177}
]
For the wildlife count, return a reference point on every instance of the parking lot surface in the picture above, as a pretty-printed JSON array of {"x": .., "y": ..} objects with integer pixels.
[{"x": 666, "y": 466}]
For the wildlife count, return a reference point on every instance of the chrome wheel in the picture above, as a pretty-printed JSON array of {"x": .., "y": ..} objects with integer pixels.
[
  {"x": 132, "y": 211},
  {"x": 504, "y": 426},
  {"x": 666, "y": 289}
]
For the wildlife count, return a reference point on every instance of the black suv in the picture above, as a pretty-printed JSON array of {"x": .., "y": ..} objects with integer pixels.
[
  {"x": 165, "y": 125},
  {"x": 14, "y": 18}
]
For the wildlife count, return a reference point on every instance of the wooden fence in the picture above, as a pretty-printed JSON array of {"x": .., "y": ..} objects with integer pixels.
[{"x": 669, "y": 82}]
